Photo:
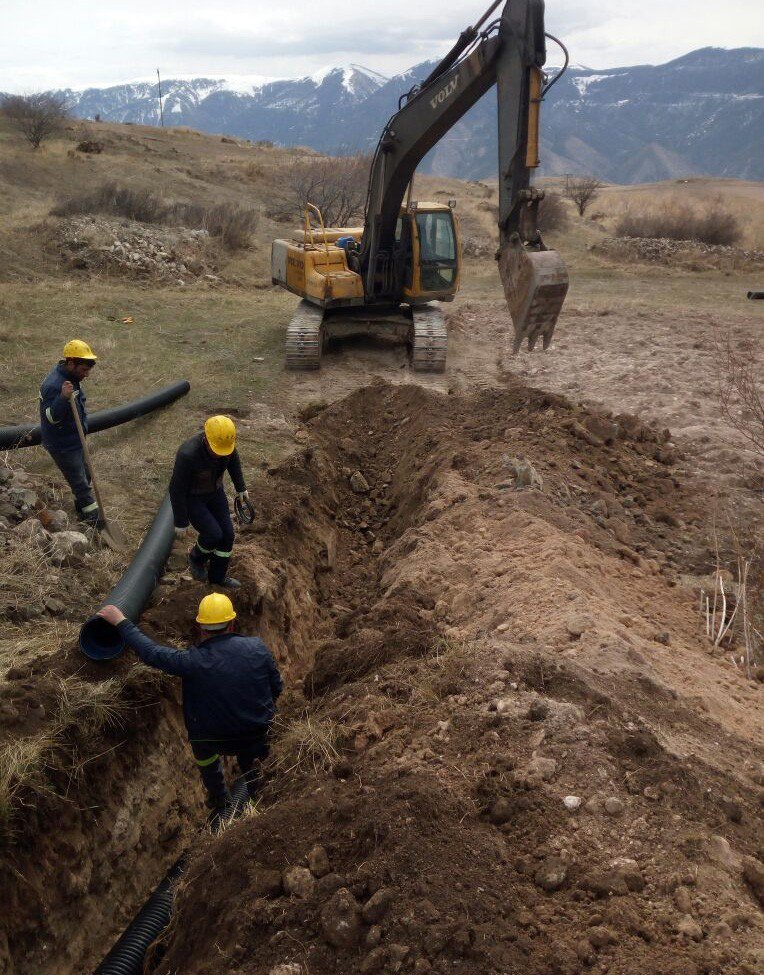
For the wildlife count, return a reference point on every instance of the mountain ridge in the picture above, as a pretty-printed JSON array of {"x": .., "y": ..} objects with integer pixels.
[{"x": 699, "y": 114}]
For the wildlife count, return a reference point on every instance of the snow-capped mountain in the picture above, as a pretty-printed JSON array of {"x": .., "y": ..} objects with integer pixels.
[{"x": 699, "y": 114}]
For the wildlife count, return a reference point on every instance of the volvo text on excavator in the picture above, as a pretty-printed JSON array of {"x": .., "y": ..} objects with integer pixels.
[{"x": 391, "y": 275}]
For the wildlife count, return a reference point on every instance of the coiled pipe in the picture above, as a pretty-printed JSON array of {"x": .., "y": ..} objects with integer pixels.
[
  {"x": 128, "y": 954},
  {"x": 28, "y": 434},
  {"x": 100, "y": 640}
]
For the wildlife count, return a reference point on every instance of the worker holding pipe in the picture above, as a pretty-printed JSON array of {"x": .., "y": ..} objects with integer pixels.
[
  {"x": 230, "y": 687},
  {"x": 58, "y": 428},
  {"x": 198, "y": 498}
]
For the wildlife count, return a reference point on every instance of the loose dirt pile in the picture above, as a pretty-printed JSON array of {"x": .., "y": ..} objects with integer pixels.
[
  {"x": 689, "y": 255},
  {"x": 514, "y": 751},
  {"x": 125, "y": 247}
]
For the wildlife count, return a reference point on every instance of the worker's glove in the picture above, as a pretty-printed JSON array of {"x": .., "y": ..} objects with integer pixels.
[
  {"x": 181, "y": 532},
  {"x": 242, "y": 495},
  {"x": 67, "y": 389}
]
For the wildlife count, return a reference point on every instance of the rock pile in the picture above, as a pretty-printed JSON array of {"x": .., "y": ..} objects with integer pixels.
[
  {"x": 688, "y": 254},
  {"x": 136, "y": 249}
]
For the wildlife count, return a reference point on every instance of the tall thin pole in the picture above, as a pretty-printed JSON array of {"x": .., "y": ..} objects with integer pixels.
[{"x": 161, "y": 113}]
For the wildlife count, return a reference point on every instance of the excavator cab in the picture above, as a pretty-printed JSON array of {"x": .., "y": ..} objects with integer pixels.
[{"x": 428, "y": 253}]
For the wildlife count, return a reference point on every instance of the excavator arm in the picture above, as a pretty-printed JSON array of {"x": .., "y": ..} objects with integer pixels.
[{"x": 509, "y": 52}]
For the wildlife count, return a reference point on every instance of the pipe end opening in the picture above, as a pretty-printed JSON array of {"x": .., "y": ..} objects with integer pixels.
[{"x": 100, "y": 640}]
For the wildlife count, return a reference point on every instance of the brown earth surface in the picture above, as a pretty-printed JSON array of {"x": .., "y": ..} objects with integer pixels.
[{"x": 482, "y": 653}]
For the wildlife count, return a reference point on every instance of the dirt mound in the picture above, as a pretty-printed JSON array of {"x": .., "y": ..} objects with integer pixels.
[
  {"x": 514, "y": 751},
  {"x": 690, "y": 255},
  {"x": 128, "y": 248}
]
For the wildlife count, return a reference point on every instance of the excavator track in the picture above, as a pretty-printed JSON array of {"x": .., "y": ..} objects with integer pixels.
[
  {"x": 429, "y": 339},
  {"x": 304, "y": 338}
]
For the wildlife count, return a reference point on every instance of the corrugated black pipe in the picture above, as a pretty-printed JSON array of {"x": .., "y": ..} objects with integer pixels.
[
  {"x": 754, "y": 295},
  {"x": 100, "y": 640},
  {"x": 28, "y": 435},
  {"x": 128, "y": 954}
]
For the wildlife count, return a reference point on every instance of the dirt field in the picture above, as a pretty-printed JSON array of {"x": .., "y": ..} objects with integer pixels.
[{"x": 504, "y": 725}]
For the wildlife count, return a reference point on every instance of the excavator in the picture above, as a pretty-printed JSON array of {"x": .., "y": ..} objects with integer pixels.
[{"x": 391, "y": 275}]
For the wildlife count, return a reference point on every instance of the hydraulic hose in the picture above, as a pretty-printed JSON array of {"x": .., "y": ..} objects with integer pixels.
[
  {"x": 28, "y": 434},
  {"x": 127, "y": 955},
  {"x": 100, "y": 640}
]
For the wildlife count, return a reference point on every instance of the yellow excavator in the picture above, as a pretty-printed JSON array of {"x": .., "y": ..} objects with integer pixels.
[{"x": 391, "y": 274}]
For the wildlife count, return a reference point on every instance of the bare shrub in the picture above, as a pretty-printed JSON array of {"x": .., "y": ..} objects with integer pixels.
[
  {"x": 232, "y": 224},
  {"x": 582, "y": 190},
  {"x": 337, "y": 186},
  {"x": 37, "y": 117},
  {"x": 741, "y": 391},
  {"x": 552, "y": 214},
  {"x": 678, "y": 221}
]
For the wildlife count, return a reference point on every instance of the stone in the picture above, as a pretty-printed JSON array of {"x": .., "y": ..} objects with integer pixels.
[
  {"x": 59, "y": 521},
  {"x": 5, "y": 525},
  {"x": 572, "y": 803},
  {"x": 397, "y": 955},
  {"x": 287, "y": 968},
  {"x": 318, "y": 862},
  {"x": 601, "y": 937},
  {"x": 720, "y": 930},
  {"x": 32, "y": 531},
  {"x": 663, "y": 636},
  {"x": 525, "y": 474},
  {"x": 5, "y": 475},
  {"x": 266, "y": 883},
  {"x": 551, "y": 875},
  {"x": 542, "y": 768},
  {"x": 500, "y": 812},
  {"x": 378, "y": 905},
  {"x": 538, "y": 710},
  {"x": 614, "y": 806},
  {"x": 68, "y": 546},
  {"x": 687, "y": 927},
  {"x": 373, "y": 936},
  {"x": 683, "y": 900},
  {"x": 628, "y": 870},
  {"x": 54, "y": 606},
  {"x": 298, "y": 881},
  {"x": 753, "y": 871},
  {"x": 358, "y": 483},
  {"x": 22, "y": 497},
  {"x": 330, "y": 883},
  {"x": 375, "y": 961},
  {"x": 341, "y": 920}
]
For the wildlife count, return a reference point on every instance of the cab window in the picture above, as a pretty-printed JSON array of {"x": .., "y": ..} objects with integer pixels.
[{"x": 437, "y": 250}]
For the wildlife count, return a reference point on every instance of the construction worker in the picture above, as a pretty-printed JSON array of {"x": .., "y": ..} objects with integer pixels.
[
  {"x": 230, "y": 687},
  {"x": 198, "y": 498},
  {"x": 59, "y": 430}
]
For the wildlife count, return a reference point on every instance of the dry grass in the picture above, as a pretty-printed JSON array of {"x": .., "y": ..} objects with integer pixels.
[
  {"x": 232, "y": 224},
  {"x": 308, "y": 744},
  {"x": 675, "y": 220}
]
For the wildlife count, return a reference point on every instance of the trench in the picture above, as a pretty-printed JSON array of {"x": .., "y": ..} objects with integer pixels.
[{"x": 325, "y": 583}]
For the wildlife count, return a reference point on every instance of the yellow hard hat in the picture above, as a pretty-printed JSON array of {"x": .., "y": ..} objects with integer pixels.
[
  {"x": 77, "y": 349},
  {"x": 215, "y": 608},
  {"x": 220, "y": 432}
]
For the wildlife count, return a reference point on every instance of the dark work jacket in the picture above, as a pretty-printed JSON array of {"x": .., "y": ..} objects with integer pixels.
[
  {"x": 57, "y": 427},
  {"x": 230, "y": 682},
  {"x": 197, "y": 471}
]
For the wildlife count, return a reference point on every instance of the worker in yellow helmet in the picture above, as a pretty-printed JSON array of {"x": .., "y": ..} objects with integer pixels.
[
  {"x": 58, "y": 429},
  {"x": 230, "y": 687},
  {"x": 198, "y": 498}
]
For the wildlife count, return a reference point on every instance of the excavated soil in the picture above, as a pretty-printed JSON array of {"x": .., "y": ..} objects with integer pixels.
[{"x": 506, "y": 745}]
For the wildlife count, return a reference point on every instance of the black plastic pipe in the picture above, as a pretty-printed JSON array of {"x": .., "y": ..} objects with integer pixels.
[
  {"x": 28, "y": 434},
  {"x": 100, "y": 640},
  {"x": 128, "y": 954},
  {"x": 753, "y": 295}
]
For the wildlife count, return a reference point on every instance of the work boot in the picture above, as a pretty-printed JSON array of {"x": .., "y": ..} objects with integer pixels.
[
  {"x": 198, "y": 569},
  {"x": 222, "y": 802},
  {"x": 228, "y": 583}
]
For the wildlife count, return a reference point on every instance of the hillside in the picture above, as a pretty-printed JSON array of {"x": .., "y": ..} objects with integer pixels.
[
  {"x": 507, "y": 743},
  {"x": 701, "y": 114}
]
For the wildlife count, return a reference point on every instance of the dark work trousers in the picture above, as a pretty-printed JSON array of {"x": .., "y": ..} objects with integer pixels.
[
  {"x": 209, "y": 515},
  {"x": 71, "y": 463},
  {"x": 249, "y": 753}
]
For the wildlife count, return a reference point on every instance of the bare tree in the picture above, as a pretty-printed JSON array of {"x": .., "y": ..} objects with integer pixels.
[
  {"x": 582, "y": 190},
  {"x": 36, "y": 116},
  {"x": 337, "y": 186}
]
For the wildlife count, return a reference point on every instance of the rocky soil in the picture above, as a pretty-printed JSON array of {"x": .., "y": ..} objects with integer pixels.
[
  {"x": 515, "y": 750},
  {"x": 125, "y": 247},
  {"x": 689, "y": 255}
]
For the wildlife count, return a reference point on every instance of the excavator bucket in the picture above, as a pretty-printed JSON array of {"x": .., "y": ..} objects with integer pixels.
[{"x": 535, "y": 284}]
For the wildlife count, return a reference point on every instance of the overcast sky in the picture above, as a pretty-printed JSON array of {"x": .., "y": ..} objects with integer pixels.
[{"x": 51, "y": 43}]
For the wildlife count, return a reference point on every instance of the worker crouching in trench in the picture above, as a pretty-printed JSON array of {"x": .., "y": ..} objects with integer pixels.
[
  {"x": 198, "y": 498},
  {"x": 230, "y": 687}
]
